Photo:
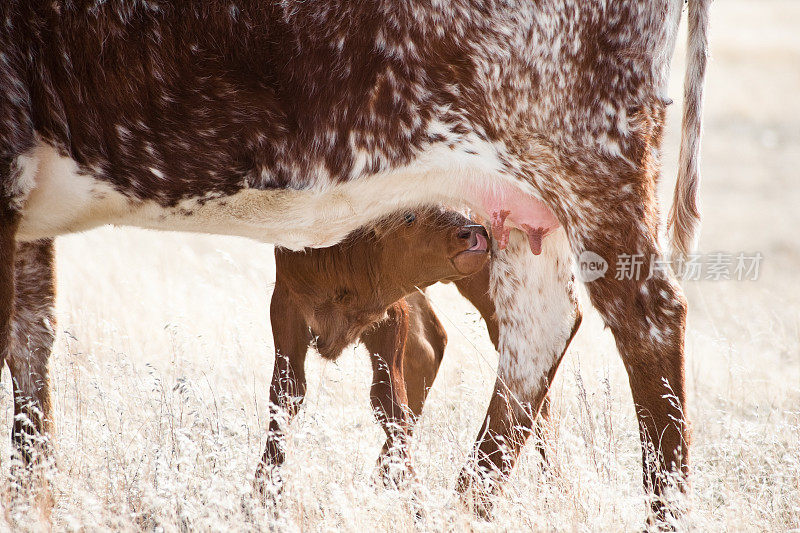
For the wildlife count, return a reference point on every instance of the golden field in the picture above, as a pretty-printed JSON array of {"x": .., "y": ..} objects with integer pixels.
[{"x": 164, "y": 355}]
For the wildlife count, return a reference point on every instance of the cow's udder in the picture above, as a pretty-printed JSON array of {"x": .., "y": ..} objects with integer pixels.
[{"x": 509, "y": 207}]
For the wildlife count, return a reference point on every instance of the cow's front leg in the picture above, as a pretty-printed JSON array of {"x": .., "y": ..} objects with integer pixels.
[
  {"x": 537, "y": 314},
  {"x": 32, "y": 336},
  {"x": 388, "y": 395},
  {"x": 8, "y": 229},
  {"x": 287, "y": 389}
]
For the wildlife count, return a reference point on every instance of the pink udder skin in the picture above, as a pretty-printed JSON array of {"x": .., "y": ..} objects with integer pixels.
[{"x": 511, "y": 208}]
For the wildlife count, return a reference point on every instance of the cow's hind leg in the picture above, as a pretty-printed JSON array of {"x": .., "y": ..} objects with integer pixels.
[
  {"x": 537, "y": 313},
  {"x": 477, "y": 290},
  {"x": 32, "y": 336},
  {"x": 646, "y": 311}
]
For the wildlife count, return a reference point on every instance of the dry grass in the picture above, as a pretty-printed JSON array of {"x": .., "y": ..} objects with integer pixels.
[{"x": 164, "y": 355}]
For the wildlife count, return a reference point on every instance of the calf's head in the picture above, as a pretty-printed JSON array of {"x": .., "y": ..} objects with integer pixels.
[{"x": 344, "y": 289}]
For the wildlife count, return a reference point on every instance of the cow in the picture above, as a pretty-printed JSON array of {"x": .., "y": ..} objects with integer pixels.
[
  {"x": 366, "y": 288},
  {"x": 296, "y": 122}
]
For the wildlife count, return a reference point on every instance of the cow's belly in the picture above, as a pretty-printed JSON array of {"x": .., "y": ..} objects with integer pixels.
[{"x": 62, "y": 200}]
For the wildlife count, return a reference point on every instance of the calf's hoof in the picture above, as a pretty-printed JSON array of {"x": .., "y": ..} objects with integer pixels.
[
  {"x": 476, "y": 493},
  {"x": 394, "y": 470},
  {"x": 668, "y": 512}
]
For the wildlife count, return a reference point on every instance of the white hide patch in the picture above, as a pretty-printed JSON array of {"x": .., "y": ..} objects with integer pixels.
[
  {"x": 61, "y": 199},
  {"x": 324, "y": 215},
  {"x": 64, "y": 200},
  {"x": 23, "y": 181},
  {"x": 536, "y": 309}
]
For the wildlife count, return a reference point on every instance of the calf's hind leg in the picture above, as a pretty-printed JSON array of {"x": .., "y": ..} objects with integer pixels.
[{"x": 388, "y": 394}]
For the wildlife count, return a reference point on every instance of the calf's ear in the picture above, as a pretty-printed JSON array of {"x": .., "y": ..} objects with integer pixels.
[{"x": 343, "y": 296}]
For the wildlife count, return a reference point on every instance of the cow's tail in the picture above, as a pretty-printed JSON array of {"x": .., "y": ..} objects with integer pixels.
[{"x": 684, "y": 216}]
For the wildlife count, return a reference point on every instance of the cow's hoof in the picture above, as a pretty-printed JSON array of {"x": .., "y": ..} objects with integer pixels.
[
  {"x": 30, "y": 491},
  {"x": 268, "y": 484}
]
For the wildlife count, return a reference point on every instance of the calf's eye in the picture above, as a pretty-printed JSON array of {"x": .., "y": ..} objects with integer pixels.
[{"x": 410, "y": 218}]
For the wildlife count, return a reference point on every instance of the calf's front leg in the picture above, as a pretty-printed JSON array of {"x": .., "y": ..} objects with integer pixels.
[
  {"x": 288, "y": 387},
  {"x": 424, "y": 350}
]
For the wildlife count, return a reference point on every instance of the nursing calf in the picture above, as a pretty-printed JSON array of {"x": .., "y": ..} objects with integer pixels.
[{"x": 367, "y": 288}]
